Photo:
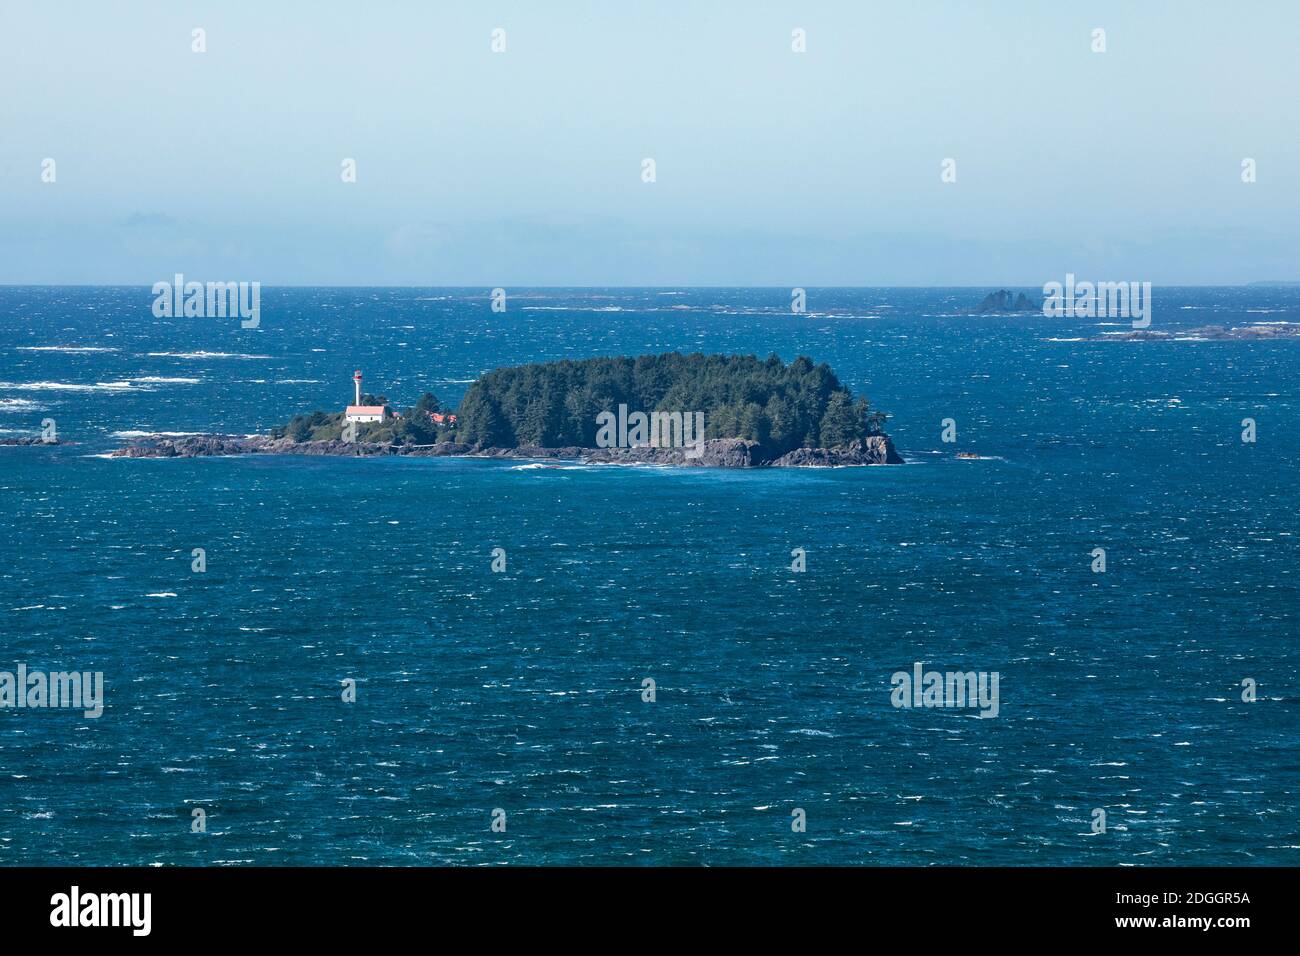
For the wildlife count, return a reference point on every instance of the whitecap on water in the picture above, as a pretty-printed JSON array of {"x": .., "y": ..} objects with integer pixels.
[
  {"x": 70, "y": 349},
  {"x": 205, "y": 355},
  {"x": 137, "y": 433},
  {"x": 19, "y": 405},
  {"x": 69, "y": 387}
]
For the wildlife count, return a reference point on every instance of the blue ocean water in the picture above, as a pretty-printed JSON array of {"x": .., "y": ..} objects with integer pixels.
[{"x": 522, "y": 690}]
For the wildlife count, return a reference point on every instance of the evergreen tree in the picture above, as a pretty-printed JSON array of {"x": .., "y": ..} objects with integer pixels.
[
  {"x": 480, "y": 421},
  {"x": 299, "y": 428},
  {"x": 426, "y": 404},
  {"x": 839, "y": 425}
]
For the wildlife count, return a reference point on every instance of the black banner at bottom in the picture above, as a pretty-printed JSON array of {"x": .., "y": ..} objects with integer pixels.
[{"x": 336, "y": 905}]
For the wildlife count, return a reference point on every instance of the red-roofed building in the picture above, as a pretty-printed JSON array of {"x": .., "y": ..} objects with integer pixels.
[{"x": 366, "y": 413}]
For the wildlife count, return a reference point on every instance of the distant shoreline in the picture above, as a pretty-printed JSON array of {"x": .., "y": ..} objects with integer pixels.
[
  {"x": 1258, "y": 332},
  {"x": 712, "y": 453},
  {"x": 483, "y": 287}
]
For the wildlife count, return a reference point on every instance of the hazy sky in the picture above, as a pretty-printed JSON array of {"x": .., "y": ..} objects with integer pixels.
[{"x": 524, "y": 168}]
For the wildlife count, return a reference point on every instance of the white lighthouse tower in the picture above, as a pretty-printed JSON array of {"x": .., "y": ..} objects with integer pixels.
[{"x": 363, "y": 413}]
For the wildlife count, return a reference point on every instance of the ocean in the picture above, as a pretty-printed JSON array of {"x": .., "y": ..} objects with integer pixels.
[{"x": 518, "y": 697}]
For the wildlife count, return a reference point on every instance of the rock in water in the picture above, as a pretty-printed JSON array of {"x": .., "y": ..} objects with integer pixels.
[
  {"x": 1002, "y": 301},
  {"x": 29, "y": 440}
]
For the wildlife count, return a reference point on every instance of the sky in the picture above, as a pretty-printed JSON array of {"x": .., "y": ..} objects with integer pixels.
[{"x": 772, "y": 167}]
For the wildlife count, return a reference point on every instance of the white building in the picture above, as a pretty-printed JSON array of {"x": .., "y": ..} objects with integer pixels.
[{"x": 366, "y": 413}]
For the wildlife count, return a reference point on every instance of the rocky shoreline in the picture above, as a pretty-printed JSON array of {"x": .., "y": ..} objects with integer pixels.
[{"x": 714, "y": 453}]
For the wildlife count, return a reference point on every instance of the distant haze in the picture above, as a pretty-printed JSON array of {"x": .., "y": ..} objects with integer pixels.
[{"x": 772, "y": 167}]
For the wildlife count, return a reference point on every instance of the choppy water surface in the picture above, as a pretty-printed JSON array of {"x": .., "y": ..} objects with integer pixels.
[{"x": 523, "y": 690}]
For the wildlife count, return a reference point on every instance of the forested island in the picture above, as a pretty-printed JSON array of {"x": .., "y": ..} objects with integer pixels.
[{"x": 753, "y": 412}]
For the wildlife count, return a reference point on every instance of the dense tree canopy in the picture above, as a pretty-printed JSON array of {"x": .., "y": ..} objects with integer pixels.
[{"x": 558, "y": 403}]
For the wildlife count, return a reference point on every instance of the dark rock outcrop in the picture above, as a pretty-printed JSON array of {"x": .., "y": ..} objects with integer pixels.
[
  {"x": 1002, "y": 301},
  {"x": 30, "y": 440},
  {"x": 878, "y": 450},
  {"x": 714, "y": 453}
]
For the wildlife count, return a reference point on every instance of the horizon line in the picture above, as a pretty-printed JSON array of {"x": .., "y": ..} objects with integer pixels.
[{"x": 299, "y": 285}]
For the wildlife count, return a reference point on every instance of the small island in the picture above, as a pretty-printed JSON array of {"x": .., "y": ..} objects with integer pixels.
[
  {"x": 1004, "y": 301},
  {"x": 727, "y": 411}
]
